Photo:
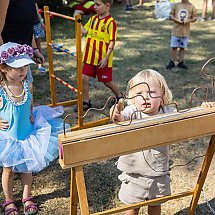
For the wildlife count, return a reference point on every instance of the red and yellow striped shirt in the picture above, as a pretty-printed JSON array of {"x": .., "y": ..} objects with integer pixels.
[{"x": 99, "y": 34}]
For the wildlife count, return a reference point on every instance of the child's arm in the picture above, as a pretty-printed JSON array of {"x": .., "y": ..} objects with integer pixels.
[
  {"x": 31, "y": 115},
  {"x": 103, "y": 62},
  {"x": 193, "y": 17},
  {"x": 115, "y": 112},
  {"x": 172, "y": 17},
  {"x": 3, "y": 12},
  {"x": 83, "y": 30},
  {"x": 3, "y": 123}
]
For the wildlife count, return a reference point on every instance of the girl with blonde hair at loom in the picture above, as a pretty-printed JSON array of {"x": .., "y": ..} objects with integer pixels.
[{"x": 145, "y": 175}]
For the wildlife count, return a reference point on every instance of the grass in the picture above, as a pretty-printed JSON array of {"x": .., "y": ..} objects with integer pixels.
[{"x": 142, "y": 43}]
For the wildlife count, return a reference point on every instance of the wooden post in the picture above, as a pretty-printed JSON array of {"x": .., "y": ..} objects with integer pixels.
[
  {"x": 82, "y": 192},
  {"x": 79, "y": 68},
  {"x": 50, "y": 57},
  {"x": 202, "y": 175},
  {"x": 73, "y": 194}
]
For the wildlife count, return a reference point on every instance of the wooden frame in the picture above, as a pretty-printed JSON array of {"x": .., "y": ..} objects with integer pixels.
[
  {"x": 52, "y": 77},
  {"x": 78, "y": 149}
]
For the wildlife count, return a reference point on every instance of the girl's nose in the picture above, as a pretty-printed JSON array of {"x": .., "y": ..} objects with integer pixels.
[{"x": 146, "y": 95}]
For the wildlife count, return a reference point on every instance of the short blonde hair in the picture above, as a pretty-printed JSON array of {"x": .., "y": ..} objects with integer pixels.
[{"x": 145, "y": 76}]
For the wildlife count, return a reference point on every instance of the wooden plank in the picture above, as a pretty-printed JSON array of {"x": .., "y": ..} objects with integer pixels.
[
  {"x": 82, "y": 192},
  {"x": 73, "y": 194},
  {"x": 149, "y": 121},
  {"x": 155, "y": 133},
  {"x": 145, "y": 203}
]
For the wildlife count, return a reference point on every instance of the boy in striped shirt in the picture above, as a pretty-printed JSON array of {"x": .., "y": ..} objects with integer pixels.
[{"x": 101, "y": 31}]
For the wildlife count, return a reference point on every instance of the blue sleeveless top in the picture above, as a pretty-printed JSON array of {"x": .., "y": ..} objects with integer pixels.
[{"x": 17, "y": 114}]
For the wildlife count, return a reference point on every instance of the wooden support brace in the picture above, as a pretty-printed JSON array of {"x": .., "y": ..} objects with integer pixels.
[{"x": 202, "y": 175}]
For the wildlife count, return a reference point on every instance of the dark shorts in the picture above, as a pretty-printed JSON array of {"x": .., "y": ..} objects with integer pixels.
[
  {"x": 103, "y": 74},
  {"x": 38, "y": 31}
]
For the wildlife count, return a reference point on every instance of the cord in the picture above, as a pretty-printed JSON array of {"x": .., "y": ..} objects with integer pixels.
[{"x": 177, "y": 165}]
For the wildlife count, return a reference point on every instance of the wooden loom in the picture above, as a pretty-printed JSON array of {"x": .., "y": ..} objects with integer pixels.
[{"x": 104, "y": 142}]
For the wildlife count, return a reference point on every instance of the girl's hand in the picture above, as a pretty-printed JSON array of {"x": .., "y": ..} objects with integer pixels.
[
  {"x": 208, "y": 104},
  {"x": 115, "y": 112},
  {"x": 4, "y": 125},
  {"x": 31, "y": 119}
]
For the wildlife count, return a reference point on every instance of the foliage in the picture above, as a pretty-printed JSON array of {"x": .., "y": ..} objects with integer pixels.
[{"x": 54, "y": 5}]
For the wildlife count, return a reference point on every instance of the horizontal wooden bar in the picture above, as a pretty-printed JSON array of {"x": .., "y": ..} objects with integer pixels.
[
  {"x": 145, "y": 203},
  {"x": 61, "y": 15},
  {"x": 66, "y": 103},
  {"x": 104, "y": 142},
  {"x": 91, "y": 124}
]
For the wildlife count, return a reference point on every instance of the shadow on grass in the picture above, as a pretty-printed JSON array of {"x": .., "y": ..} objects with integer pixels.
[{"x": 202, "y": 209}]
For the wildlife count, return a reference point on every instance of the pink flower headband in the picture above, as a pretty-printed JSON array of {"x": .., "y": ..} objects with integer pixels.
[{"x": 14, "y": 52}]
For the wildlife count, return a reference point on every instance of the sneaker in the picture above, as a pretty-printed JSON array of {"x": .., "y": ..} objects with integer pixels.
[
  {"x": 128, "y": 7},
  {"x": 86, "y": 106},
  {"x": 211, "y": 19},
  {"x": 170, "y": 65},
  {"x": 182, "y": 65},
  {"x": 202, "y": 19}
]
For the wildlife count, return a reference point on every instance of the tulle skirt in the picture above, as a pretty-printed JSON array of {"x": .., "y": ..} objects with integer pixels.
[{"x": 39, "y": 148}]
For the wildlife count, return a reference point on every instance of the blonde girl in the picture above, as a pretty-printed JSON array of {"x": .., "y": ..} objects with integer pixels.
[{"x": 145, "y": 174}]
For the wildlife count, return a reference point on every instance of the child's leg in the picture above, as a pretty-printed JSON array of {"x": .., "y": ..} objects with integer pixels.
[
  {"x": 7, "y": 183},
  {"x": 7, "y": 186},
  {"x": 173, "y": 54},
  {"x": 181, "y": 54},
  {"x": 204, "y": 8},
  {"x": 132, "y": 212},
  {"x": 85, "y": 80},
  {"x": 213, "y": 8},
  {"x": 154, "y": 210},
  {"x": 113, "y": 87},
  {"x": 140, "y": 4},
  {"x": 27, "y": 180}
]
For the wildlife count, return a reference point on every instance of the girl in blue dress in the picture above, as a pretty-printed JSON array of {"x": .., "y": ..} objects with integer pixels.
[{"x": 28, "y": 137}]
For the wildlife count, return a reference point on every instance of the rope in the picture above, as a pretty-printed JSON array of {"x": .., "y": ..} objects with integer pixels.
[
  {"x": 60, "y": 48},
  {"x": 64, "y": 83}
]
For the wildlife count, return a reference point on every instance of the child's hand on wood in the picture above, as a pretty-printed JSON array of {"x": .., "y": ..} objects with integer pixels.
[
  {"x": 4, "y": 125},
  {"x": 115, "y": 112},
  {"x": 208, "y": 104}
]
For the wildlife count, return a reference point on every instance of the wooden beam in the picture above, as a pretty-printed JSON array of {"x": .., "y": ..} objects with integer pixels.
[
  {"x": 141, "y": 204},
  {"x": 112, "y": 141}
]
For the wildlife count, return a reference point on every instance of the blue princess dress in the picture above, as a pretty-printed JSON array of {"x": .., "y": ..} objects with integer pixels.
[{"x": 27, "y": 147}]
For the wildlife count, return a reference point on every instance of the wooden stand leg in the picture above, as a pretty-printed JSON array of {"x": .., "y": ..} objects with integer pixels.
[
  {"x": 73, "y": 194},
  {"x": 202, "y": 175},
  {"x": 82, "y": 192}
]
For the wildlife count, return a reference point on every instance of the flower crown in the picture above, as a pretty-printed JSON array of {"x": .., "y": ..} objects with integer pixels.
[{"x": 14, "y": 52}]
